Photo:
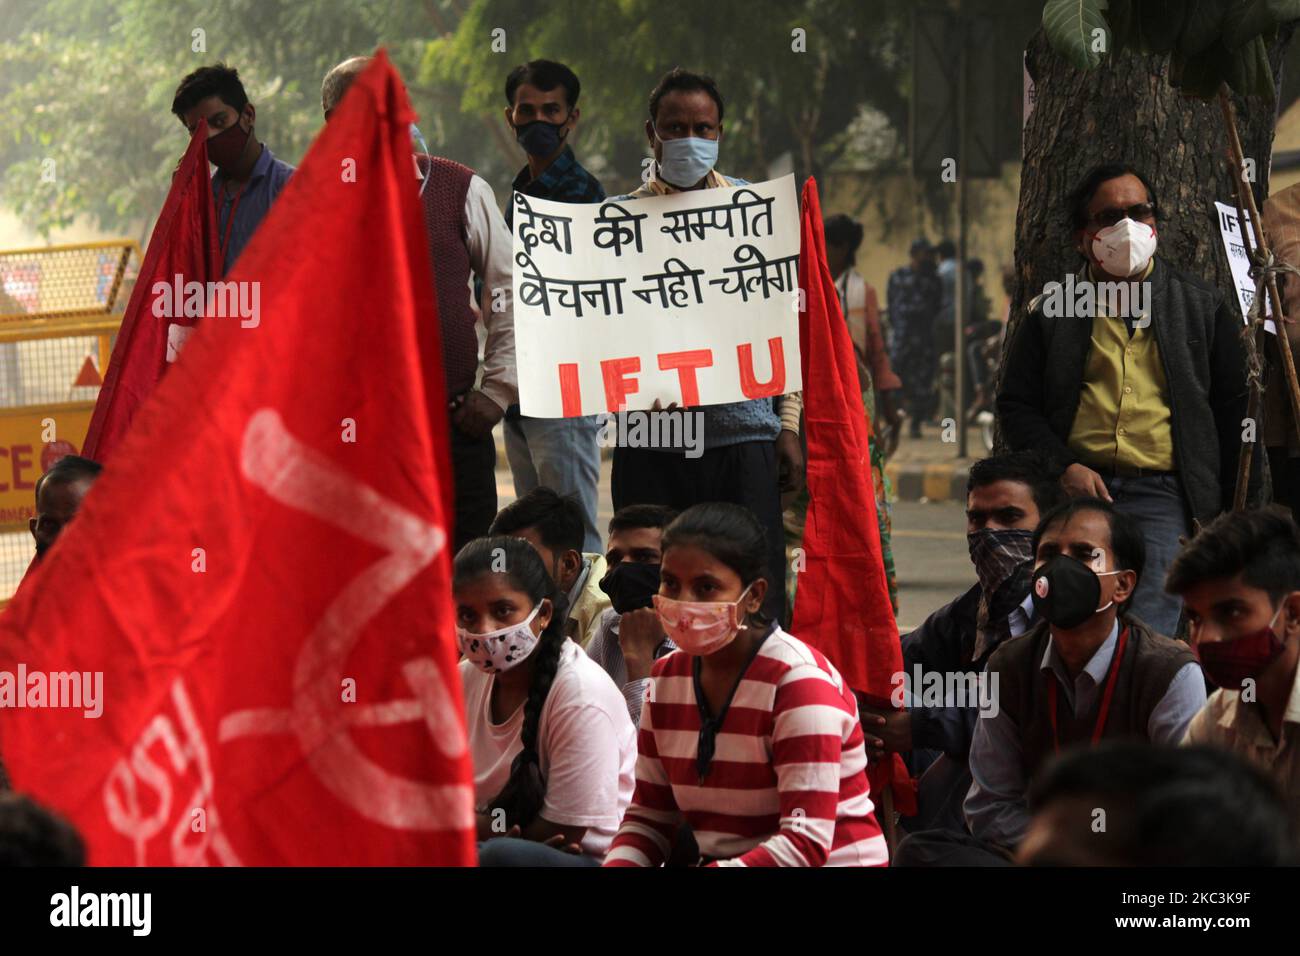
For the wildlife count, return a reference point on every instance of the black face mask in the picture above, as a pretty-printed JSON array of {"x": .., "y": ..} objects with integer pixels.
[
  {"x": 631, "y": 585},
  {"x": 1066, "y": 591}
]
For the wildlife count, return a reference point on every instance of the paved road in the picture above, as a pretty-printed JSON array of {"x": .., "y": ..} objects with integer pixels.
[{"x": 930, "y": 556}]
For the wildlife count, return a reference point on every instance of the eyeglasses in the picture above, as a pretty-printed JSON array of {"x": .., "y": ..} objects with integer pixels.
[{"x": 1108, "y": 217}]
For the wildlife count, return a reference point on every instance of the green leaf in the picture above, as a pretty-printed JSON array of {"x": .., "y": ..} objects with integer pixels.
[
  {"x": 1071, "y": 27},
  {"x": 1161, "y": 22},
  {"x": 1202, "y": 25},
  {"x": 1246, "y": 21}
]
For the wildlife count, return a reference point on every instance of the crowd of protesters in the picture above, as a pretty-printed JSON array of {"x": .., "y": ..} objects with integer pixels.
[{"x": 636, "y": 699}]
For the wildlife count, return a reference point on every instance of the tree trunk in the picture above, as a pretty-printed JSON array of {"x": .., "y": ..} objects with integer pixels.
[{"x": 1126, "y": 111}]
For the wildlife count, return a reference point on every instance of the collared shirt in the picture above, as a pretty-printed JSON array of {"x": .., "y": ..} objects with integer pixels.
[
  {"x": 586, "y": 600},
  {"x": 1021, "y": 618},
  {"x": 488, "y": 242},
  {"x": 995, "y": 807},
  {"x": 268, "y": 178},
  {"x": 1123, "y": 416},
  {"x": 1229, "y": 722},
  {"x": 565, "y": 180},
  {"x": 606, "y": 651}
]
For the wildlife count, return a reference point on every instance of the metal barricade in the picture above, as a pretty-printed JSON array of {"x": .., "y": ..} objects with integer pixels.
[{"x": 60, "y": 309}]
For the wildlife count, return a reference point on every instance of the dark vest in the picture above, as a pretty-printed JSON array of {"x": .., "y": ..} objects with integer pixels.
[
  {"x": 444, "y": 219},
  {"x": 1148, "y": 667}
]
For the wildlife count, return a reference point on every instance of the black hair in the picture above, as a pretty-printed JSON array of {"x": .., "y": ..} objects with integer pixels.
[
  {"x": 678, "y": 79},
  {"x": 217, "y": 80},
  {"x": 1172, "y": 806},
  {"x": 731, "y": 534},
  {"x": 945, "y": 248},
  {"x": 524, "y": 791},
  {"x": 840, "y": 230},
  {"x": 1263, "y": 546},
  {"x": 1126, "y": 541},
  {"x": 1081, "y": 195},
  {"x": 1029, "y": 467},
  {"x": 31, "y": 835},
  {"x": 641, "y": 516},
  {"x": 68, "y": 469},
  {"x": 546, "y": 75},
  {"x": 557, "y": 518}
]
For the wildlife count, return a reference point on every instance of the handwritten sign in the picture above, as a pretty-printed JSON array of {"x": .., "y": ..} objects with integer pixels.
[
  {"x": 689, "y": 298},
  {"x": 1239, "y": 260}
]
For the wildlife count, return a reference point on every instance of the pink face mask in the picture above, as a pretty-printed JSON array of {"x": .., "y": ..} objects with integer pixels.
[{"x": 700, "y": 627}]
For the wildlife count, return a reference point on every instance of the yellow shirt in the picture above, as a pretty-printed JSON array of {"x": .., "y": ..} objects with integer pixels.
[
  {"x": 1123, "y": 416},
  {"x": 589, "y": 603}
]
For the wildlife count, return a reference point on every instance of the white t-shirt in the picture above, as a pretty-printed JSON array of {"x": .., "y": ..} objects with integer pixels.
[{"x": 586, "y": 745}]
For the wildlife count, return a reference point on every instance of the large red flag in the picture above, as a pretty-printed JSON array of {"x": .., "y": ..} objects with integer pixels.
[
  {"x": 842, "y": 599},
  {"x": 262, "y": 573},
  {"x": 184, "y": 243}
]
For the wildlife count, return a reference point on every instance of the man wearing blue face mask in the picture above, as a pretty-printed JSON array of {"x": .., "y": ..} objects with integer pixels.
[
  {"x": 1087, "y": 671},
  {"x": 751, "y": 450},
  {"x": 558, "y": 453}
]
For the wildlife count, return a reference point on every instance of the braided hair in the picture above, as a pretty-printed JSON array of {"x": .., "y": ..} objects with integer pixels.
[{"x": 525, "y": 790}]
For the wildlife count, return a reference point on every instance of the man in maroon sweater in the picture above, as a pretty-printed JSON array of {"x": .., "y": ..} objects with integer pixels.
[{"x": 467, "y": 235}]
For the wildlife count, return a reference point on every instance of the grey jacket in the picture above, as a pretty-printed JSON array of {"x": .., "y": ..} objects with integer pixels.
[{"x": 1199, "y": 338}]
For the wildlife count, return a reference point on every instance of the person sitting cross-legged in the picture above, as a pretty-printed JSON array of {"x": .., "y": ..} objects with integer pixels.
[{"x": 1087, "y": 671}]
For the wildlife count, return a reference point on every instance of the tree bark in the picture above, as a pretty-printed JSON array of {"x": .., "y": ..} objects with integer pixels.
[{"x": 1126, "y": 111}]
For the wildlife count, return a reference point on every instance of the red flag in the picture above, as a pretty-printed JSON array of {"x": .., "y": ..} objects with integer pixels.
[
  {"x": 262, "y": 573},
  {"x": 842, "y": 599},
  {"x": 184, "y": 243}
]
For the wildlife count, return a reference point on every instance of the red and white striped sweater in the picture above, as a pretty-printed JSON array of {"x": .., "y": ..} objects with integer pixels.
[{"x": 788, "y": 784}]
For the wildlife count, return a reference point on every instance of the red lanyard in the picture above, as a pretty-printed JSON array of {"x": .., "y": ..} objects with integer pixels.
[
  {"x": 230, "y": 223},
  {"x": 1106, "y": 696}
]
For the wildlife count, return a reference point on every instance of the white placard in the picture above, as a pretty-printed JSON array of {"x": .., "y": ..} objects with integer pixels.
[
  {"x": 1239, "y": 261},
  {"x": 689, "y": 298}
]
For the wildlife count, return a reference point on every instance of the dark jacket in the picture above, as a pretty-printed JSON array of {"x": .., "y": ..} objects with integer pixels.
[
  {"x": 1199, "y": 338},
  {"x": 943, "y": 644},
  {"x": 1150, "y": 663}
]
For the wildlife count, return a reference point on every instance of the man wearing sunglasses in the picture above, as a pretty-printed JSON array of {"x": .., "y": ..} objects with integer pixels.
[{"x": 1143, "y": 410}]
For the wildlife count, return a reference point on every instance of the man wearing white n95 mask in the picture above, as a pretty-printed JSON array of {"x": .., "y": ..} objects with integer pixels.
[{"x": 1139, "y": 390}]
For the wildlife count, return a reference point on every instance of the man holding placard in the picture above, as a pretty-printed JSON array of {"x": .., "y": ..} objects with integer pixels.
[{"x": 751, "y": 450}]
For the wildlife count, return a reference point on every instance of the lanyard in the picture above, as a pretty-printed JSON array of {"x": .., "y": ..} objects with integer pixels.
[
  {"x": 230, "y": 223},
  {"x": 1106, "y": 696}
]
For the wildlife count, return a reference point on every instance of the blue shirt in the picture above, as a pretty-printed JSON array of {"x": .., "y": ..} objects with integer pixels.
[
  {"x": 269, "y": 177},
  {"x": 996, "y": 810},
  {"x": 565, "y": 180}
]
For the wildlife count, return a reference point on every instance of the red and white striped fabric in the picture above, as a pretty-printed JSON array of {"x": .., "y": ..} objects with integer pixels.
[{"x": 787, "y": 786}]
